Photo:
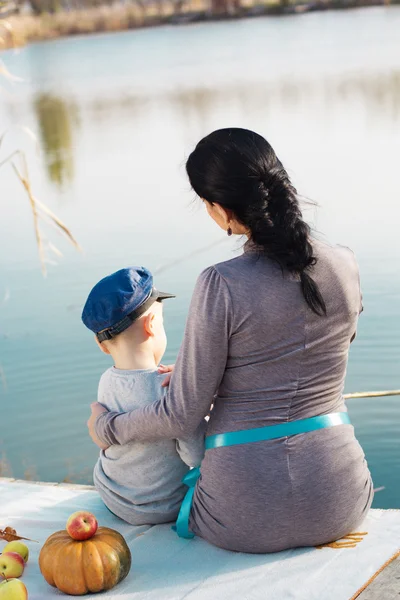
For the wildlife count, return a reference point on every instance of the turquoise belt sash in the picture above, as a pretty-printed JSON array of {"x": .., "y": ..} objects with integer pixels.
[{"x": 248, "y": 436}]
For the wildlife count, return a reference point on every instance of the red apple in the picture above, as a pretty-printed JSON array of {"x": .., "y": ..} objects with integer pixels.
[
  {"x": 11, "y": 565},
  {"x": 18, "y": 547},
  {"x": 81, "y": 525},
  {"x": 13, "y": 589}
]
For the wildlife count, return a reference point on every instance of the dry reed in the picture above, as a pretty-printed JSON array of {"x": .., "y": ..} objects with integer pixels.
[
  {"x": 40, "y": 212},
  {"x": 27, "y": 28},
  {"x": 5, "y": 467},
  {"x": 92, "y": 18}
]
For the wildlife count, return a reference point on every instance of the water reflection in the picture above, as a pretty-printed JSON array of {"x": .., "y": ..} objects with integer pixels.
[
  {"x": 324, "y": 88},
  {"x": 377, "y": 95},
  {"x": 57, "y": 119}
]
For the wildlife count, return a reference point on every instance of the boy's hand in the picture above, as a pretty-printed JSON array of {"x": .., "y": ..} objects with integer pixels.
[
  {"x": 97, "y": 409},
  {"x": 168, "y": 369}
]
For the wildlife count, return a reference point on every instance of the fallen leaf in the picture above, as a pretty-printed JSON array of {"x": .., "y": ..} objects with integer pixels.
[{"x": 10, "y": 535}]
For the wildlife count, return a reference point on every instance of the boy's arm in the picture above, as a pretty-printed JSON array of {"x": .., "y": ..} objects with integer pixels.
[
  {"x": 191, "y": 449},
  {"x": 102, "y": 391},
  {"x": 102, "y": 399}
]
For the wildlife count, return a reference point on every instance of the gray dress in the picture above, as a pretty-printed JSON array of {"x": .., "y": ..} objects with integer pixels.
[{"x": 254, "y": 348}]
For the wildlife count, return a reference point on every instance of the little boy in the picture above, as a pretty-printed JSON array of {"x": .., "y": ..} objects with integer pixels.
[{"x": 138, "y": 482}]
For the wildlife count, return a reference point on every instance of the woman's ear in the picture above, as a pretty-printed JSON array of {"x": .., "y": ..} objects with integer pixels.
[
  {"x": 225, "y": 214},
  {"x": 102, "y": 346}
]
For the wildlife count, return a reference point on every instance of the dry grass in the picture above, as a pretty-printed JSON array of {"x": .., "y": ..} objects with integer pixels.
[
  {"x": 73, "y": 473},
  {"x": 40, "y": 212},
  {"x": 22, "y": 29},
  {"x": 32, "y": 28},
  {"x": 77, "y": 475},
  {"x": 118, "y": 17},
  {"x": 17, "y": 160},
  {"x": 30, "y": 472},
  {"x": 5, "y": 467}
]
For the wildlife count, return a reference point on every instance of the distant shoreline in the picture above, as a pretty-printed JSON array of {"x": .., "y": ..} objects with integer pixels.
[{"x": 21, "y": 29}]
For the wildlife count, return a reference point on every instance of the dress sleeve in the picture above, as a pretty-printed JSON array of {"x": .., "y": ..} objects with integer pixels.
[
  {"x": 191, "y": 450},
  {"x": 196, "y": 378},
  {"x": 360, "y": 305},
  {"x": 356, "y": 273}
]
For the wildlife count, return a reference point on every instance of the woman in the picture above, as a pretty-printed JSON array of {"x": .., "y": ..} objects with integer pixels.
[{"x": 266, "y": 341}]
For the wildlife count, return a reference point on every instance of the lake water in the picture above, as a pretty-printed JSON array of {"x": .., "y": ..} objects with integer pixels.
[{"x": 115, "y": 117}]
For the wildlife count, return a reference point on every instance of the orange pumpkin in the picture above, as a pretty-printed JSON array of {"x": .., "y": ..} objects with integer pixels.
[{"x": 94, "y": 565}]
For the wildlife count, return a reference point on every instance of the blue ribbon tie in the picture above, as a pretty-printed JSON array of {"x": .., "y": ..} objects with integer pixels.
[
  {"x": 249, "y": 436},
  {"x": 182, "y": 523}
]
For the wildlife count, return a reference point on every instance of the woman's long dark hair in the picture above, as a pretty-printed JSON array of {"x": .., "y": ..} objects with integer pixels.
[{"x": 239, "y": 170}]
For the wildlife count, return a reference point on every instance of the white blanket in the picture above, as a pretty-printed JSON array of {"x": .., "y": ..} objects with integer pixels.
[{"x": 165, "y": 567}]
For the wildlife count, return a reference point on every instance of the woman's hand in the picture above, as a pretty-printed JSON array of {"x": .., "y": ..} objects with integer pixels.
[
  {"x": 168, "y": 369},
  {"x": 97, "y": 409}
]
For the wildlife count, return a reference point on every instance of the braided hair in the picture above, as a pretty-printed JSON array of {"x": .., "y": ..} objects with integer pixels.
[{"x": 239, "y": 170}]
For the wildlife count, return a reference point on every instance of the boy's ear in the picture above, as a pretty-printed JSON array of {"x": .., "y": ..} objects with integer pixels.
[
  {"x": 102, "y": 346},
  {"x": 148, "y": 324}
]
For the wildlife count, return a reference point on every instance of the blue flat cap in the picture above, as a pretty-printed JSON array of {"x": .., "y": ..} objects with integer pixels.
[{"x": 118, "y": 300}]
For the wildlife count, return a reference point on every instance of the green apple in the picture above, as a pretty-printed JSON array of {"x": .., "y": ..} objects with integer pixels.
[
  {"x": 11, "y": 565},
  {"x": 19, "y": 548},
  {"x": 13, "y": 589}
]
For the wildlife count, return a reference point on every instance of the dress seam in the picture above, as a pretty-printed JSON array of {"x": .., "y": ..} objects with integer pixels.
[
  {"x": 230, "y": 299},
  {"x": 287, "y": 441}
]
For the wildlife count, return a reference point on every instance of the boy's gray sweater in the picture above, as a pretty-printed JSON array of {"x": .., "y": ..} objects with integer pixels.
[{"x": 142, "y": 482}]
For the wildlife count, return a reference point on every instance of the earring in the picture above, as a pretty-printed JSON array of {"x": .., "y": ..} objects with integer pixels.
[{"x": 229, "y": 231}]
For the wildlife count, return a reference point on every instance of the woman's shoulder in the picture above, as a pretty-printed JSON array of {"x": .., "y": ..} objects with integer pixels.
[
  {"x": 221, "y": 273},
  {"x": 337, "y": 255},
  {"x": 247, "y": 267}
]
